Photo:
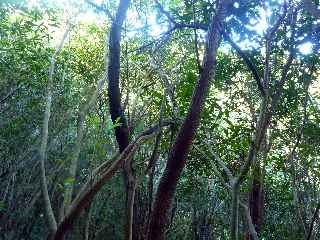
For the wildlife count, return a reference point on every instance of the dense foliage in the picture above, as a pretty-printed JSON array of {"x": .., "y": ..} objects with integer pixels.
[{"x": 253, "y": 168}]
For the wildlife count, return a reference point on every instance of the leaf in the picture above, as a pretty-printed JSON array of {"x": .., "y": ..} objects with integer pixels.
[
  {"x": 68, "y": 181},
  {"x": 2, "y": 206}
]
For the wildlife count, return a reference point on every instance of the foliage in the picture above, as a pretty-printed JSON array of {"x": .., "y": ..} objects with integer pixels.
[{"x": 158, "y": 70}]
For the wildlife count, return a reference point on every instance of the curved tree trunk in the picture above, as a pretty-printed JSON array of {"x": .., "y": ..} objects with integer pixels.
[
  {"x": 117, "y": 115},
  {"x": 45, "y": 132},
  {"x": 116, "y": 111},
  {"x": 93, "y": 186},
  {"x": 178, "y": 155}
]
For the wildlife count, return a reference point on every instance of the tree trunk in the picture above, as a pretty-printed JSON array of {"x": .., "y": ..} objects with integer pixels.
[
  {"x": 178, "y": 155},
  {"x": 116, "y": 111},
  {"x": 117, "y": 115},
  {"x": 76, "y": 153},
  {"x": 130, "y": 196},
  {"x": 234, "y": 212},
  {"x": 256, "y": 199},
  {"x": 314, "y": 218},
  {"x": 44, "y": 138}
]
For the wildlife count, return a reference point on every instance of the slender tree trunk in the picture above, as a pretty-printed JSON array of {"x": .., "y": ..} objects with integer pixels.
[
  {"x": 116, "y": 111},
  {"x": 44, "y": 187},
  {"x": 87, "y": 223},
  {"x": 314, "y": 218},
  {"x": 73, "y": 165},
  {"x": 268, "y": 107},
  {"x": 151, "y": 172},
  {"x": 259, "y": 135},
  {"x": 130, "y": 196},
  {"x": 252, "y": 231},
  {"x": 234, "y": 212},
  {"x": 44, "y": 139},
  {"x": 75, "y": 156},
  {"x": 178, "y": 155}
]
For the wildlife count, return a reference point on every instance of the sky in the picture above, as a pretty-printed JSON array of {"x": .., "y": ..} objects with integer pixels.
[{"x": 156, "y": 30}]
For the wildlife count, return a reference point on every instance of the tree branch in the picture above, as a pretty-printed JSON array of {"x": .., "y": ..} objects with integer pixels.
[
  {"x": 315, "y": 216},
  {"x": 312, "y": 8},
  {"x": 247, "y": 61},
  {"x": 97, "y": 180},
  {"x": 45, "y": 132},
  {"x": 178, "y": 155}
]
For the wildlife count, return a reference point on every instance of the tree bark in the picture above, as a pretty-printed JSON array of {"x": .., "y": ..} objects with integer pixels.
[
  {"x": 116, "y": 111},
  {"x": 178, "y": 155},
  {"x": 117, "y": 115},
  {"x": 234, "y": 234},
  {"x": 80, "y": 132},
  {"x": 256, "y": 199},
  {"x": 92, "y": 187},
  {"x": 314, "y": 218},
  {"x": 45, "y": 132}
]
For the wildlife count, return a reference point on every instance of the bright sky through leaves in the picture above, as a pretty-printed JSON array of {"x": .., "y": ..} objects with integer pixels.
[{"x": 155, "y": 29}]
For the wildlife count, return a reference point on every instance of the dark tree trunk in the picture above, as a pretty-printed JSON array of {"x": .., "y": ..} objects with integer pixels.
[
  {"x": 256, "y": 199},
  {"x": 178, "y": 155},
  {"x": 206, "y": 232},
  {"x": 117, "y": 114},
  {"x": 314, "y": 218},
  {"x": 256, "y": 195},
  {"x": 195, "y": 223},
  {"x": 202, "y": 228}
]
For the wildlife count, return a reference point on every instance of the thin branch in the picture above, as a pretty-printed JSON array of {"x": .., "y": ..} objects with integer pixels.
[
  {"x": 45, "y": 132},
  {"x": 204, "y": 27},
  {"x": 312, "y": 8},
  {"x": 214, "y": 168},
  {"x": 166, "y": 13},
  {"x": 252, "y": 229},
  {"x": 155, "y": 153},
  {"x": 101, "y": 7},
  {"x": 284, "y": 73},
  {"x": 196, "y": 42},
  {"x": 11, "y": 93},
  {"x": 248, "y": 62},
  {"x": 315, "y": 216},
  {"x": 93, "y": 186},
  {"x": 274, "y": 29},
  {"x": 221, "y": 163}
]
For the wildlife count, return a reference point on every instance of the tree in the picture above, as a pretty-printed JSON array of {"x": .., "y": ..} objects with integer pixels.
[{"x": 210, "y": 118}]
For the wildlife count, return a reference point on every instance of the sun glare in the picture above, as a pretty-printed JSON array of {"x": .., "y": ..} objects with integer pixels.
[{"x": 306, "y": 48}]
